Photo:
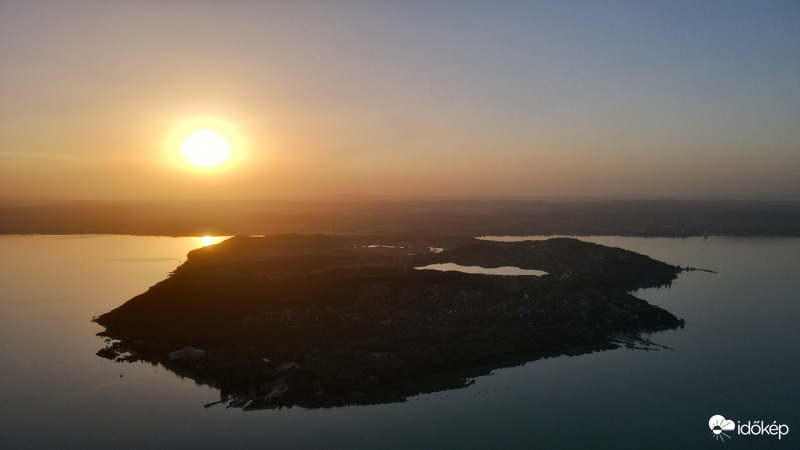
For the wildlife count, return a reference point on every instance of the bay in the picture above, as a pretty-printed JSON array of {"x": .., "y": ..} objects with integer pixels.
[{"x": 737, "y": 356}]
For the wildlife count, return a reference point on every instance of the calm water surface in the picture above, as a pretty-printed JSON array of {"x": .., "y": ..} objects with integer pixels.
[
  {"x": 738, "y": 356},
  {"x": 504, "y": 270}
]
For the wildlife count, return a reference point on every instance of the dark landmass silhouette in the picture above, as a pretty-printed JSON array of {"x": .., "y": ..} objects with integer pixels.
[
  {"x": 324, "y": 320},
  {"x": 671, "y": 218}
]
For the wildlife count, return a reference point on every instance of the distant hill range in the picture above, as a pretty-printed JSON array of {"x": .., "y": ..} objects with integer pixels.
[{"x": 445, "y": 217}]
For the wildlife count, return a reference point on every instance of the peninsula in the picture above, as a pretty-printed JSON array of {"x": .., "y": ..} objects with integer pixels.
[{"x": 327, "y": 320}]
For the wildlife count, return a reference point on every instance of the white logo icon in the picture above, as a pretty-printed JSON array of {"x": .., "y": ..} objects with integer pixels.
[{"x": 718, "y": 424}]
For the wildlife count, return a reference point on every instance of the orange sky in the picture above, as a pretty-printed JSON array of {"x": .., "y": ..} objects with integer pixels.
[{"x": 672, "y": 99}]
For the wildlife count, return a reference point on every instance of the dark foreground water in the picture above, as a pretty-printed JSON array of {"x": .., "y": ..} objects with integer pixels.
[{"x": 738, "y": 357}]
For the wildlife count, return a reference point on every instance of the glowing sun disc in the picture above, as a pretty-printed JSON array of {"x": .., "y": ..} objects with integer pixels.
[
  {"x": 205, "y": 145},
  {"x": 205, "y": 148}
]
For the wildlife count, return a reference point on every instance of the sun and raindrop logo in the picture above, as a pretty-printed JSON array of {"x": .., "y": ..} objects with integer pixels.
[{"x": 719, "y": 425}]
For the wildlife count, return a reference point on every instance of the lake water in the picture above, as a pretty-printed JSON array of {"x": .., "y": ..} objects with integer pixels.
[
  {"x": 737, "y": 356},
  {"x": 504, "y": 270}
]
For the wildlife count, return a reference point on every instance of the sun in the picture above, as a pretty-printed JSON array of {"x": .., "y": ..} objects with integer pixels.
[{"x": 205, "y": 148}]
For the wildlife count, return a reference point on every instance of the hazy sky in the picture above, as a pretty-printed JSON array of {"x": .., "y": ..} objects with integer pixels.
[{"x": 642, "y": 98}]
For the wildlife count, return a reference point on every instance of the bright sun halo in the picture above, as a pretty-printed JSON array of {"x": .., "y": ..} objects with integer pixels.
[
  {"x": 205, "y": 148},
  {"x": 205, "y": 145}
]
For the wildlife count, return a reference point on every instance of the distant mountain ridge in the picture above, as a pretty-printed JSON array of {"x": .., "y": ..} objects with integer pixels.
[{"x": 459, "y": 217}]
